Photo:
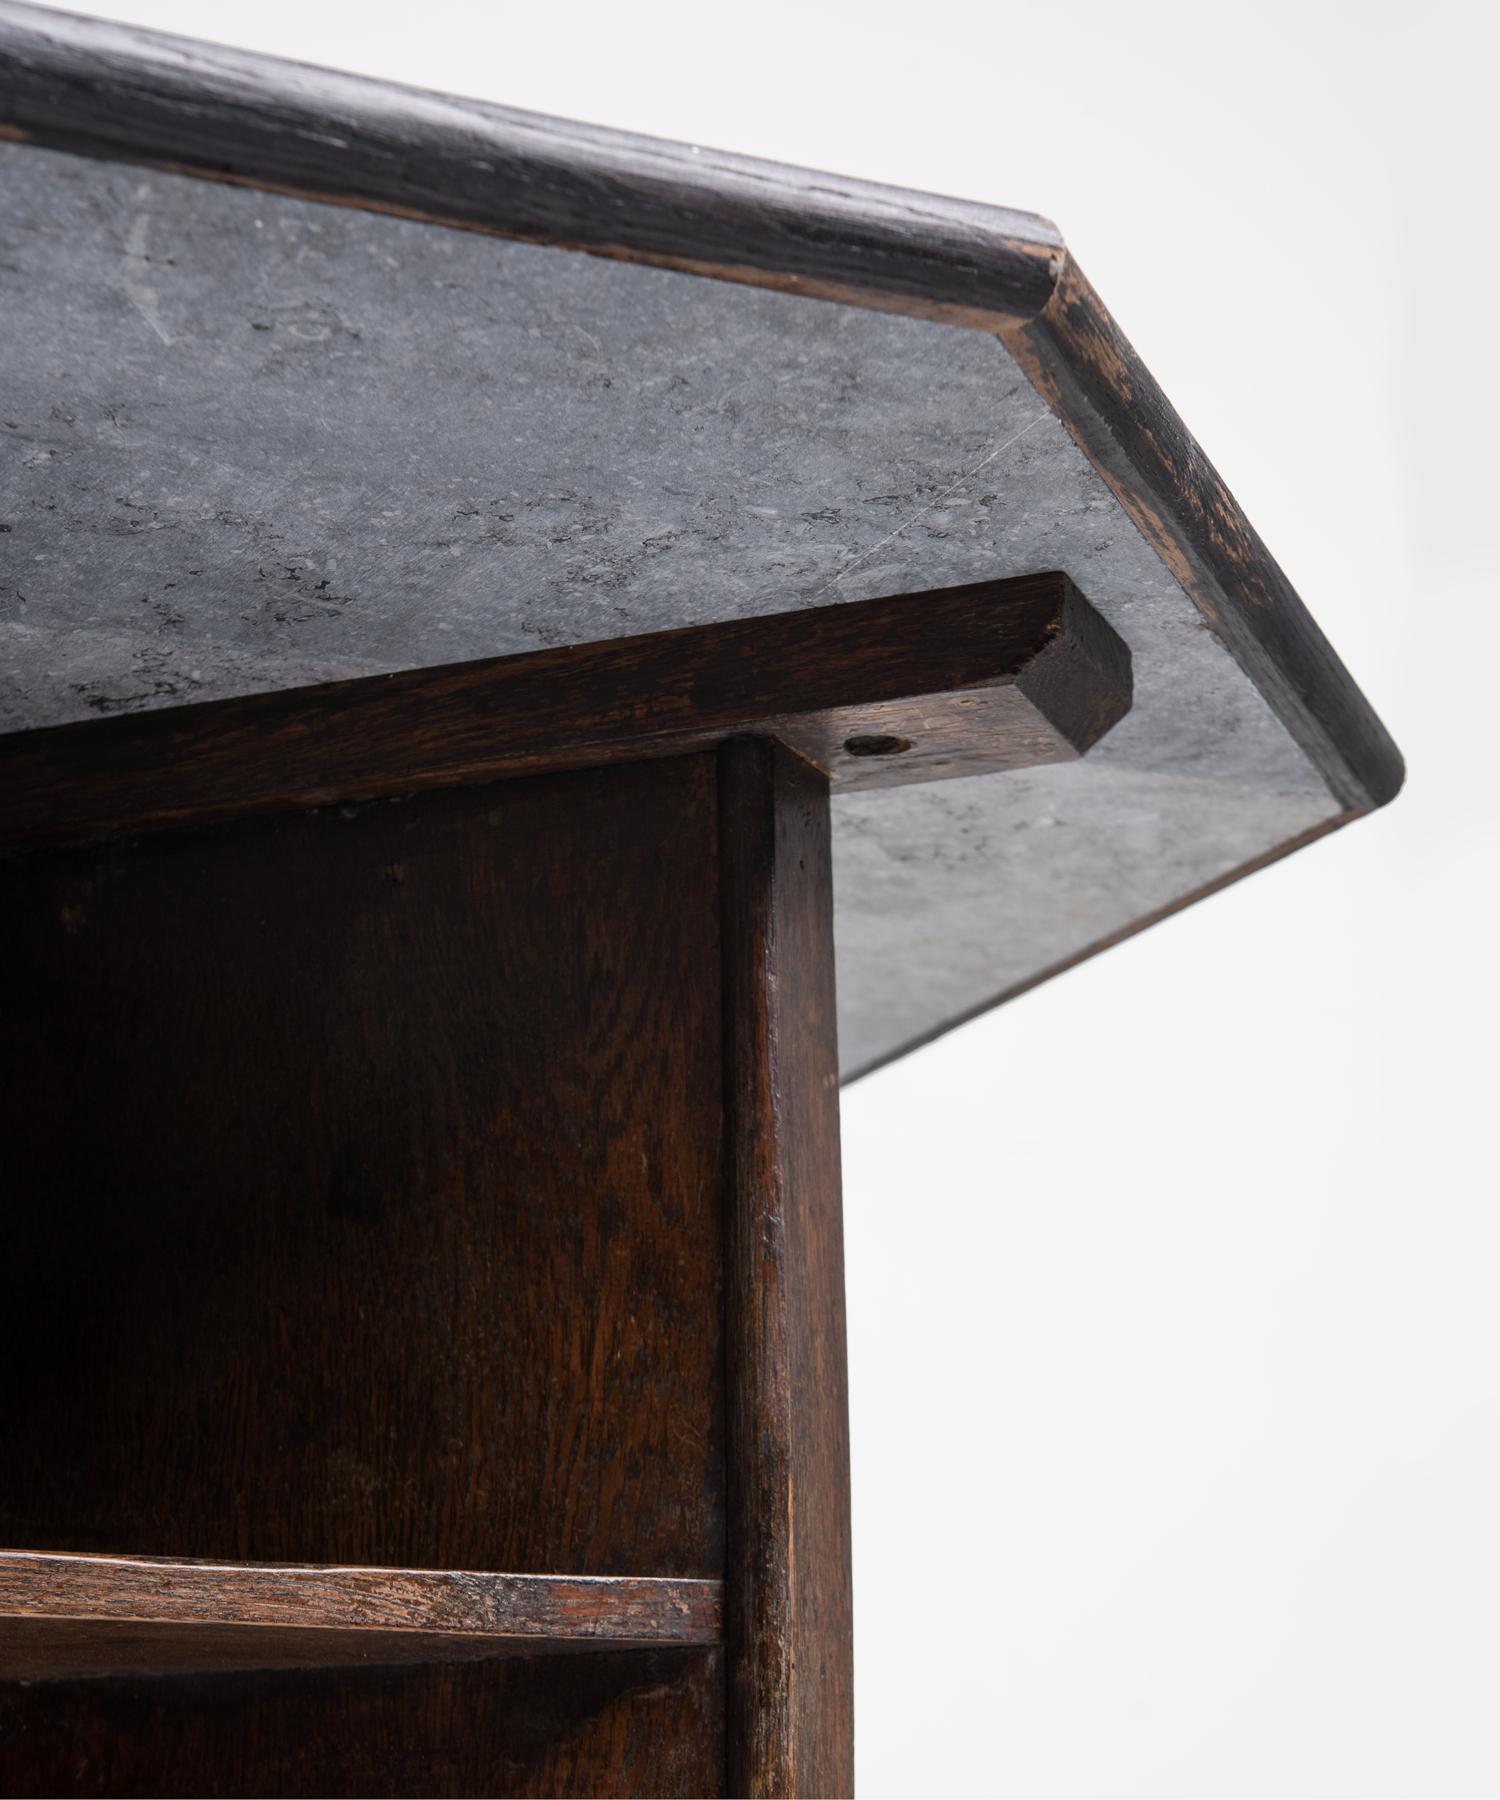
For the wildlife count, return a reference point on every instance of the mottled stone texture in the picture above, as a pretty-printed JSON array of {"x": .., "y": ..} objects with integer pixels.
[{"x": 250, "y": 442}]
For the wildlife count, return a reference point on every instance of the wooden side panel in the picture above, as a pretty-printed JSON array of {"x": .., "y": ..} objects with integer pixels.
[
  {"x": 362, "y": 1205},
  {"x": 788, "y": 1597},
  {"x": 377, "y": 1175},
  {"x": 361, "y": 1186},
  {"x": 648, "y": 1722}
]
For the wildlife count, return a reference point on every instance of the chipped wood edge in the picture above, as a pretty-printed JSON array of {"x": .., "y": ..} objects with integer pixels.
[{"x": 65, "y": 1586}]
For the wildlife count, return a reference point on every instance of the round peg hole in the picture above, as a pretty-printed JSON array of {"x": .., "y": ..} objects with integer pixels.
[{"x": 876, "y": 746}]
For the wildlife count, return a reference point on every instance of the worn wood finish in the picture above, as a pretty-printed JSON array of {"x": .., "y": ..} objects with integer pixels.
[
  {"x": 1082, "y": 364},
  {"x": 87, "y": 1649},
  {"x": 610, "y": 1723},
  {"x": 363, "y": 1207},
  {"x": 791, "y": 1711},
  {"x": 993, "y": 675},
  {"x": 56, "y": 1611},
  {"x": 113, "y": 91},
  {"x": 361, "y": 1186},
  {"x": 107, "y": 90},
  {"x": 179, "y": 1311}
]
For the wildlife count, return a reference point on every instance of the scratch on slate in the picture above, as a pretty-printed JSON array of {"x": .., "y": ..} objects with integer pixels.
[
  {"x": 142, "y": 296},
  {"x": 931, "y": 506}
]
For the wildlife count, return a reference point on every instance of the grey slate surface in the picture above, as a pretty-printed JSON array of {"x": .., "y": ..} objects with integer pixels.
[{"x": 250, "y": 442}]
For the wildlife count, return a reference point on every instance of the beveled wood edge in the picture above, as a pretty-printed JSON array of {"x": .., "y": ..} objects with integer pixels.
[
  {"x": 1082, "y": 365},
  {"x": 120, "y": 92},
  {"x": 789, "y": 1605},
  {"x": 965, "y": 680},
  {"x": 113, "y": 91},
  {"x": 177, "y": 1592}
]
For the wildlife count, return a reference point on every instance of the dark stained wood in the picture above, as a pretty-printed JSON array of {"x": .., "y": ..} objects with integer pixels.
[
  {"x": 112, "y": 91},
  {"x": 361, "y": 1186},
  {"x": 75, "y": 1650},
  {"x": 1054, "y": 708},
  {"x": 610, "y": 1723},
  {"x": 377, "y": 1175},
  {"x": 993, "y": 675},
  {"x": 108, "y": 90},
  {"x": 1081, "y": 363},
  {"x": 183, "y": 1591},
  {"x": 363, "y": 1207},
  {"x": 789, "y": 1618},
  {"x": 256, "y": 1615}
]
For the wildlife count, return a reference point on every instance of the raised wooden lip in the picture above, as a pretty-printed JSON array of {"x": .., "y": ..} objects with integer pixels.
[
  {"x": 987, "y": 676},
  {"x": 113, "y": 91},
  {"x": 122, "y": 92},
  {"x": 183, "y": 1591},
  {"x": 66, "y": 1615}
]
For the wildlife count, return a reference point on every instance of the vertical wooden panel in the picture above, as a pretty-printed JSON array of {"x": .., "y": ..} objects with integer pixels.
[
  {"x": 377, "y": 1171},
  {"x": 362, "y": 1179},
  {"x": 789, "y": 1590}
]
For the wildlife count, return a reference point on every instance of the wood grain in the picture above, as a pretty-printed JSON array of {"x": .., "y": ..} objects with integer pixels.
[
  {"x": 621, "y": 1723},
  {"x": 277, "y": 1614},
  {"x": 74, "y": 1650},
  {"x": 363, "y": 1208},
  {"x": 361, "y": 1183},
  {"x": 1079, "y": 360},
  {"x": 789, "y": 1590},
  {"x": 992, "y": 675}
]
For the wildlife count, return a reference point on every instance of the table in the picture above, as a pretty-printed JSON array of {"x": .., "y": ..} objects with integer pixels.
[{"x": 531, "y": 653}]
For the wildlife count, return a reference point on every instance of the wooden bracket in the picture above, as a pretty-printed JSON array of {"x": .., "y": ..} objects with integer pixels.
[{"x": 920, "y": 687}]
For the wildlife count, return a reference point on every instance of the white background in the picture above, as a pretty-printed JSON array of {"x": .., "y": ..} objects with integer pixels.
[{"x": 1175, "y": 1332}]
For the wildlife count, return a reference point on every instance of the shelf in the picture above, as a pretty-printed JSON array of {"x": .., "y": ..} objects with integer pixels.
[{"x": 64, "y": 1615}]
